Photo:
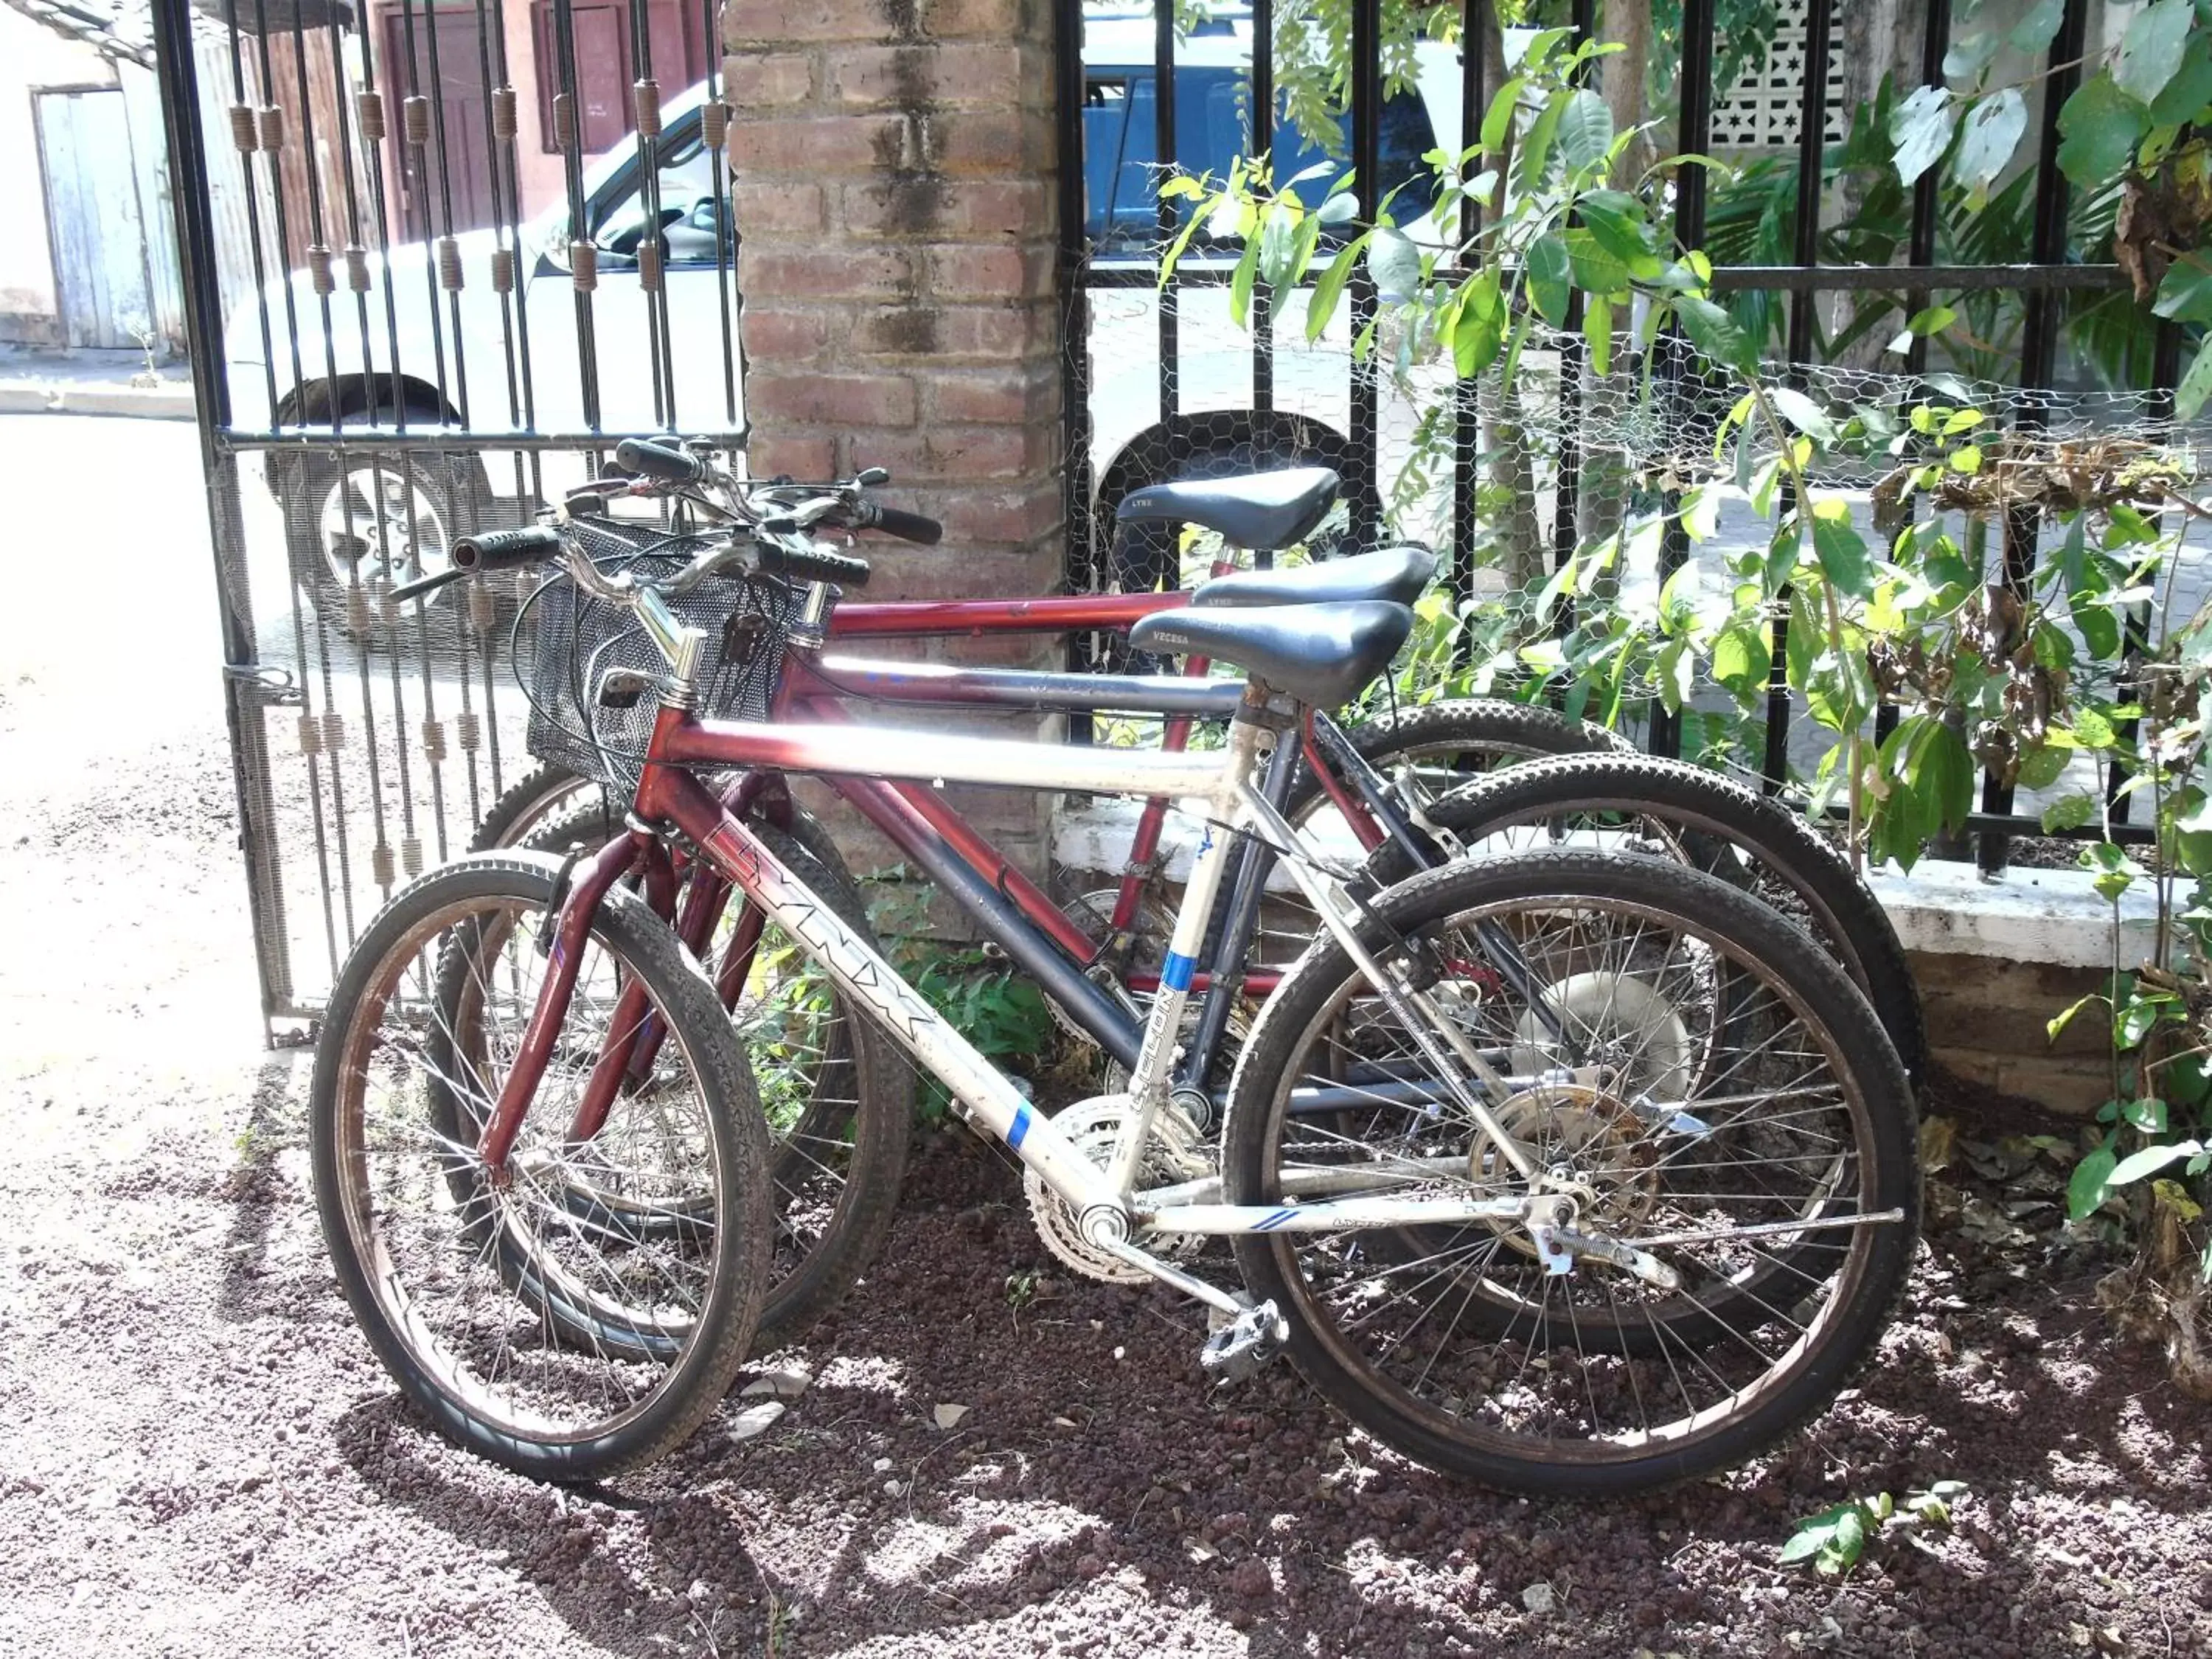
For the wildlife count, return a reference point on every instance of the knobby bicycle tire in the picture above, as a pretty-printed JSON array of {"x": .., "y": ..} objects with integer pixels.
[
  {"x": 1463, "y": 1434},
  {"x": 699, "y": 1365}
]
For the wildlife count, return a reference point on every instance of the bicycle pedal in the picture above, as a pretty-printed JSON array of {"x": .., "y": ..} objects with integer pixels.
[{"x": 1241, "y": 1345}]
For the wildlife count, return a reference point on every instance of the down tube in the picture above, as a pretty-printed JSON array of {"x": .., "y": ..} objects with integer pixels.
[{"x": 993, "y": 1103}]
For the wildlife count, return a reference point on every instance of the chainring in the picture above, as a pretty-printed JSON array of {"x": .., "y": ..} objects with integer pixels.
[{"x": 1175, "y": 1153}]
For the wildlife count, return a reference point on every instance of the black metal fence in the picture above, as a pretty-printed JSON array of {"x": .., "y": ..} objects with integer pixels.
[{"x": 1200, "y": 430}]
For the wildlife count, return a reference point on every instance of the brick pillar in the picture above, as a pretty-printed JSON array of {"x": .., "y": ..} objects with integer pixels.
[{"x": 894, "y": 163}]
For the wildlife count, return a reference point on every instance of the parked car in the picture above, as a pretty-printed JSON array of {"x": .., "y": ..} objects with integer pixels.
[{"x": 444, "y": 358}]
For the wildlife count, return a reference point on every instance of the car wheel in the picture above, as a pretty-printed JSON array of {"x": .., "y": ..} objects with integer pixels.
[{"x": 357, "y": 526}]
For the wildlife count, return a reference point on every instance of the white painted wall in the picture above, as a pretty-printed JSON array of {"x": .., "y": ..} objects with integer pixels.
[{"x": 31, "y": 57}]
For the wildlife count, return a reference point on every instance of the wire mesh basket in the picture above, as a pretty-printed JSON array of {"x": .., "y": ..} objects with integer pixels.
[{"x": 747, "y": 621}]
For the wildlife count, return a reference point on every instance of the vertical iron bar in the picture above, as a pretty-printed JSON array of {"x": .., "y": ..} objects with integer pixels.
[
  {"x": 178, "y": 76},
  {"x": 1263, "y": 143},
  {"x": 1080, "y": 564},
  {"x": 1812, "y": 153},
  {"x": 2039, "y": 351},
  {"x": 1934, "y": 41},
  {"x": 1164, "y": 155},
  {"x": 1693, "y": 126},
  {"x": 1366, "y": 88},
  {"x": 1466, "y": 412}
]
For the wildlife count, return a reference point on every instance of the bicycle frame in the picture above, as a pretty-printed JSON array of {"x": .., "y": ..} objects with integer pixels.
[{"x": 1221, "y": 782}]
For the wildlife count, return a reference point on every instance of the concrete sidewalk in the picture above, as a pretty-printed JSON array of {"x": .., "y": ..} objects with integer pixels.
[{"x": 43, "y": 381}]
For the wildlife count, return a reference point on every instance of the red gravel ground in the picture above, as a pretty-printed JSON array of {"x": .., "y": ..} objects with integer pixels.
[{"x": 198, "y": 1456}]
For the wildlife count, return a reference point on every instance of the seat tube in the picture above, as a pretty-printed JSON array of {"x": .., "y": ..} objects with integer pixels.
[
  {"x": 1145, "y": 844},
  {"x": 1148, "y": 1078}
]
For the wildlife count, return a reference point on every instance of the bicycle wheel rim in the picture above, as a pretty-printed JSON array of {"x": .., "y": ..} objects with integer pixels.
[
  {"x": 1559, "y": 1405},
  {"x": 512, "y": 1268}
]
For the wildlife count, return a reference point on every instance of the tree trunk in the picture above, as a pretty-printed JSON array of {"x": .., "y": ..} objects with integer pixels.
[{"x": 1622, "y": 80}]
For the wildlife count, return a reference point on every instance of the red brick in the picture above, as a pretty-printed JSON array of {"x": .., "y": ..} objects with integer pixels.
[
  {"x": 933, "y": 76},
  {"x": 829, "y": 271},
  {"x": 811, "y": 459},
  {"x": 951, "y": 334},
  {"x": 1018, "y": 516},
  {"x": 985, "y": 272},
  {"x": 966, "y": 141},
  {"x": 941, "y": 206},
  {"x": 823, "y": 144},
  {"x": 746, "y": 22},
  {"x": 1017, "y": 397},
  {"x": 775, "y": 334},
  {"x": 779, "y": 204},
  {"x": 753, "y": 80},
  {"x": 961, "y": 568},
  {"x": 993, "y": 20},
  {"x": 956, "y": 454},
  {"x": 832, "y": 399}
]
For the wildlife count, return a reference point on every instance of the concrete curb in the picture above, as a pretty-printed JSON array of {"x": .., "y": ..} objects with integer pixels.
[{"x": 45, "y": 397}]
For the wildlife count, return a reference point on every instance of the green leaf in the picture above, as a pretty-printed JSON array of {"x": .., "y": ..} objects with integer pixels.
[
  {"x": 1987, "y": 138},
  {"x": 2189, "y": 397},
  {"x": 1801, "y": 412},
  {"x": 2068, "y": 812},
  {"x": 2064, "y": 1017},
  {"x": 1920, "y": 128},
  {"x": 1280, "y": 236},
  {"x": 1240, "y": 284},
  {"x": 1842, "y": 552},
  {"x": 1741, "y": 660},
  {"x": 2150, "y": 1161},
  {"x": 2041, "y": 766},
  {"x": 1595, "y": 270},
  {"x": 1536, "y": 144},
  {"x": 1394, "y": 263},
  {"x": 1341, "y": 209},
  {"x": 1585, "y": 130},
  {"x": 1967, "y": 458},
  {"x": 2148, "y": 1115},
  {"x": 2085, "y": 1189},
  {"x": 1547, "y": 278},
  {"x": 2189, "y": 90},
  {"x": 1970, "y": 56},
  {"x": 2101, "y": 124},
  {"x": 2034, "y": 32},
  {"x": 2092, "y": 730},
  {"x": 1714, "y": 332},
  {"x": 1330, "y": 286},
  {"x": 1498, "y": 119},
  {"x": 2151, "y": 49},
  {"x": 1597, "y": 333}
]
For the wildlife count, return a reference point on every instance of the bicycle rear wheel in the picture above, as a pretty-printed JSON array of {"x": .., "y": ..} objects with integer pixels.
[
  {"x": 1639, "y": 805},
  {"x": 557, "y": 1336},
  {"x": 1452, "y": 1343}
]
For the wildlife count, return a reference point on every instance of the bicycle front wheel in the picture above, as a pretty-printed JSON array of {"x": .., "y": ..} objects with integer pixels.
[
  {"x": 1453, "y": 1343},
  {"x": 539, "y": 1319}
]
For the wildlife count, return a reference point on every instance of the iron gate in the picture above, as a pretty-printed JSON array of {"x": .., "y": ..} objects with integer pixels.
[{"x": 407, "y": 323}]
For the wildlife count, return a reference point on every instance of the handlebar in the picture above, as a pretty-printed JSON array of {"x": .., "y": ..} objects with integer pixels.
[
  {"x": 810, "y": 563},
  {"x": 907, "y": 527},
  {"x": 659, "y": 461},
  {"x": 508, "y": 549}
]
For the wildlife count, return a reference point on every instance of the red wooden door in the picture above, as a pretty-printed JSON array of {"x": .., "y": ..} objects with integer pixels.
[{"x": 455, "y": 166}]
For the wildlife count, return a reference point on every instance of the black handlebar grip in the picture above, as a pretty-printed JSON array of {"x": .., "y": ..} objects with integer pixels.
[
  {"x": 907, "y": 527},
  {"x": 659, "y": 461},
  {"x": 815, "y": 565},
  {"x": 506, "y": 550}
]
